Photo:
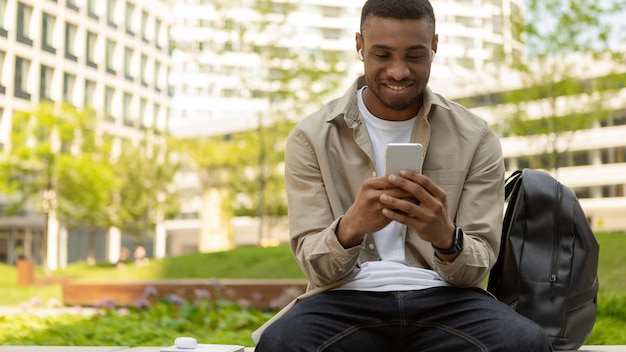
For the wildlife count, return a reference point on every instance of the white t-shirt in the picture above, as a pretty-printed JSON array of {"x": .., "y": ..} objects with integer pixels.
[{"x": 390, "y": 273}]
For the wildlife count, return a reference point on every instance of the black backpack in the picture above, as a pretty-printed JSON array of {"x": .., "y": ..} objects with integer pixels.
[{"x": 548, "y": 262}]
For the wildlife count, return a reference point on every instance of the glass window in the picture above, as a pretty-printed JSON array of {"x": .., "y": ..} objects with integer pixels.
[
  {"x": 71, "y": 4},
  {"x": 3, "y": 9},
  {"x": 111, "y": 5},
  {"x": 45, "y": 82},
  {"x": 155, "y": 79},
  {"x": 142, "y": 112},
  {"x": 90, "y": 48},
  {"x": 110, "y": 55},
  {"x": 70, "y": 41},
  {"x": 144, "y": 26},
  {"x": 108, "y": 102},
  {"x": 143, "y": 68},
  {"x": 128, "y": 63},
  {"x": 24, "y": 15},
  {"x": 128, "y": 18},
  {"x": 2, "y": 57},
  {"x": 128, "y": 120},
  {"x": 22, "y": 69},
  {"x": 90, "y": 89},
  {"x": 47, "y": 32},
  {"x": 157, "y": 33},
  {"x": 91, "y": 8},
  {"x": 69, "y": 81}
]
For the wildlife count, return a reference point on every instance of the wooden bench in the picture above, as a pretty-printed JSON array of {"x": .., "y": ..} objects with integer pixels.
[{"x": 254, "y": 293}]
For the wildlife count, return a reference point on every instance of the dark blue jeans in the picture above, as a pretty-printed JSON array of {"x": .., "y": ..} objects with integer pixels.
[{"x": 436, "y": 319}]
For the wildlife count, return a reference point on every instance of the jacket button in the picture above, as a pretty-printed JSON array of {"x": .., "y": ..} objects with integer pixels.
[
  {"x": 373, "y": 173},
  {"x": 371, "y": 246}
]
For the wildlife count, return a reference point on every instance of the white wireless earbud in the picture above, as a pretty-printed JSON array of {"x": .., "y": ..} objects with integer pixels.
[
  {"x": 361, "y": 54},
  {"x": 186, "y": 343},
  {"x": 432, "y": 55}
]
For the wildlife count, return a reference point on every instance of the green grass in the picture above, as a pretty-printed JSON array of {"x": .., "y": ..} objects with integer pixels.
[{"x": 243, "y": 262}]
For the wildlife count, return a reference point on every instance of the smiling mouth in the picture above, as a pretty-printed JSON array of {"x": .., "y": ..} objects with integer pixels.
[{"x": 397, "y": 88}]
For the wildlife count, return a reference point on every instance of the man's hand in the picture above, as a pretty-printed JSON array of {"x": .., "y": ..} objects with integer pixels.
[
  {"x": 365, "y": 215},
  {"x": 428, "y": 217}
]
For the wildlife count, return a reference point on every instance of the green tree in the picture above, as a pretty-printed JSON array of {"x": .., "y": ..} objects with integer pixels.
[
  {"x": 564, "y": 40},
  {"x": 57, "y": 164},
  {"x": 213, "y": 160},
  {"x": 146, "y": 195}
]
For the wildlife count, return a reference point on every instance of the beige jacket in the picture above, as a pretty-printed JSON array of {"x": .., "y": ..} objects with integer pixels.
[{"x": 328, "y": 156}]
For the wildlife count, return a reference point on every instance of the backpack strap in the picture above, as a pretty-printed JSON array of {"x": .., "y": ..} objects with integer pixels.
[{"x": 512, "y": 185}]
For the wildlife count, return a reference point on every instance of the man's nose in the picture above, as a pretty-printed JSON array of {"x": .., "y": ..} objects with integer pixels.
[{"x": 398, "y": 70}]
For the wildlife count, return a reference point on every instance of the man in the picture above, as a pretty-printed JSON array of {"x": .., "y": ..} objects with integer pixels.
[{"x": 395, "y": 263}]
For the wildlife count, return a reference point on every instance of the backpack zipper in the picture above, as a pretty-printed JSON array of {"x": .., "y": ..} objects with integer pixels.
[{"x": 556, "y": 240}]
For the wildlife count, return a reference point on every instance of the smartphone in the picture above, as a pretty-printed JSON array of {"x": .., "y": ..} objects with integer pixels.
[{"x": 407, "y": 156}]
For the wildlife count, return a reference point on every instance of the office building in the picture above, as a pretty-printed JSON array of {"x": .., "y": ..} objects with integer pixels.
[{"x": 111, "y": 55}]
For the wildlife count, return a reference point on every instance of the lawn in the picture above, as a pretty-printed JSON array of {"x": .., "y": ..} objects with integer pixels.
[{"x": 224, "y": 322}]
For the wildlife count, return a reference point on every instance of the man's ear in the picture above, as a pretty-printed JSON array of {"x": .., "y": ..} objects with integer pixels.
[
  {"x": 359, "y": 45},
  {"x": 433, "y": 45}
]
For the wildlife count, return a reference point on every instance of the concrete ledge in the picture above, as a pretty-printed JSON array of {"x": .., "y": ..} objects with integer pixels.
[
  {"x": 247, "y": 349},
  {"x": 255, "y": 293}
]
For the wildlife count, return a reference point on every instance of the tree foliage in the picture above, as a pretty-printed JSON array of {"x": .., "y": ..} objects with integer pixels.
[
  {"x": 146, "y": 194},
  {"x": 56, "y": 161},
  {"x": 566, "y": 41},
  {"x": 59, "y": 160}
]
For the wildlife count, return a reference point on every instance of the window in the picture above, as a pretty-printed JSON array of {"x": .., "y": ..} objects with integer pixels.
[
  {"x": 157, "y": 33},
  {"x": 90, "y": 89},
  {"x": 128, "y": 63},
  {"x": 155, "y": 79},
  {"x": 24, "y": 14},
  {"x": 144, "y": 26},
  {"x": 70, "y": 41},
  {"x": 143, "y": 68},
  {"x": 3, "y": 8},
  {"x": 128, "y": 18},
  {"x": 47, "y": 33},
  {"x": 128, "y": 120},
  {"x": 2, "y": 86},
  {"x": 110, "y": 55},
  {"x": 142, "y": 113},
  {"x": 108, "y": 103},
  {"x": 156, "y": 110},
  {"x": 91, "y": 9},
  {"x": 22, "y": 70},
  {"x": 45, "y": 82},
  {"x": 71, "y": 4},
  {"x": 90, "y": 49},
  {"x": 69, "y": 81},
  {"x": 111, "y": 5}
]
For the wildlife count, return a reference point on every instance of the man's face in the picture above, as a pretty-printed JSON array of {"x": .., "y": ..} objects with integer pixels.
[{"x": 397, "y": 60}]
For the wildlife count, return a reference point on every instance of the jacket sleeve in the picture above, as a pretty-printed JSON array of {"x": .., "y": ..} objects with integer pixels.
[
  {"x": 479, "y": 214},
  {"x": 312, "y": 219}
]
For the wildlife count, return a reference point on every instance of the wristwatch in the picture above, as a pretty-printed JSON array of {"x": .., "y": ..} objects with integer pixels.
[{"x": 457, "y": 246}]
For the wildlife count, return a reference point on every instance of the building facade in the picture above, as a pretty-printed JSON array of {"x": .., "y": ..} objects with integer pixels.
[
  {"x": 111, "y": 55},
  {"x": 592, "y": 155}
]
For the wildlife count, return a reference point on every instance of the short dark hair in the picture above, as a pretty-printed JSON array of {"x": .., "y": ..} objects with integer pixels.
[{"x": 398, "y": 9}]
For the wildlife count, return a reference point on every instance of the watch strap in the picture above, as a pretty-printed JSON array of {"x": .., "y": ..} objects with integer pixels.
[{"x": 457, "y": 245}]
